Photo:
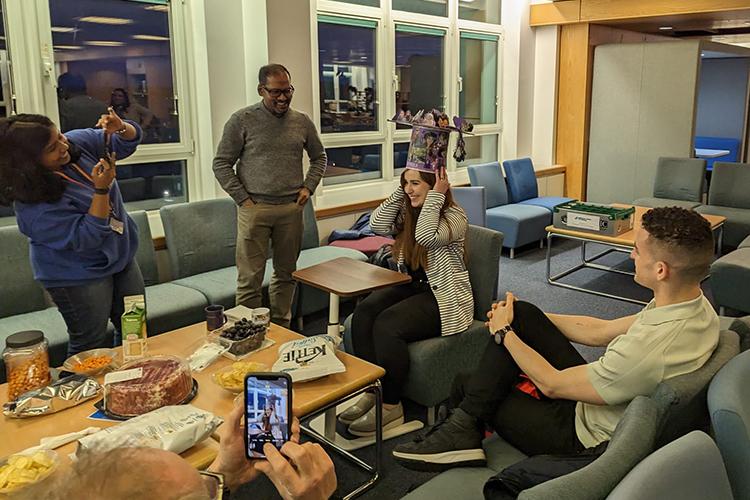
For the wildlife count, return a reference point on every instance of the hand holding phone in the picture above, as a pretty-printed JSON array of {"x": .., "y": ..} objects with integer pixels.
[{"x": 268, "y": 411}]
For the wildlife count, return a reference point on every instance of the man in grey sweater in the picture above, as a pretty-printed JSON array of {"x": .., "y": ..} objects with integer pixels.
[{"x": 259, "y": 163}]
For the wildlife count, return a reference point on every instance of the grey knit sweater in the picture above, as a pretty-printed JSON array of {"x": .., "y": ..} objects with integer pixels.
[{"x": 267, "y": 151}]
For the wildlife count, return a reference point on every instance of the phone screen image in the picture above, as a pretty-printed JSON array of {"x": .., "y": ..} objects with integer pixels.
[{"x": 267, "y": 410}]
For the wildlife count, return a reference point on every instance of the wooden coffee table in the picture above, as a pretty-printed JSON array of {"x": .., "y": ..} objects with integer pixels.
[
  {"x": 345, "y": 277},
  {"x": 308, "y": 398},
  {"x": 622, "y": 243}
]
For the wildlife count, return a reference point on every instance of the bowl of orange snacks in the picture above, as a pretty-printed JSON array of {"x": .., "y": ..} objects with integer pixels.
[{"x": 91, "y": 362}]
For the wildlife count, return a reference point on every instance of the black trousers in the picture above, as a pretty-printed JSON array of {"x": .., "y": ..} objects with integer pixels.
[
  {"x": 534, "y": 426},
  {"x": 383, "y": 325}
]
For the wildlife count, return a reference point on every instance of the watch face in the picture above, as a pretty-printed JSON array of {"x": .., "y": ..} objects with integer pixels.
[{"x": 499, "y": 337}]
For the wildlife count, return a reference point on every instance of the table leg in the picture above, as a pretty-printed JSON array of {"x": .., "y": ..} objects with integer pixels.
[
  {"x": 555, "y": 280},
  {"x": 323, "y": 439},
  {"x": 333, "y": 317}
]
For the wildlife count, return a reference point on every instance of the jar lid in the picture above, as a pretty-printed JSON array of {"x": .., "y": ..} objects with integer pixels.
[{"x": 24, "y": 339}]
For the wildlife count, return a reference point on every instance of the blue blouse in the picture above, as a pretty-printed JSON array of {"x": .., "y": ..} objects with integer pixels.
[{"x": 70, "y": 247}]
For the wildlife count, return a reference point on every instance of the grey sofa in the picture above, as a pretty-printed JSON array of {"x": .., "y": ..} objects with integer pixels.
[
  {"x": 204, "y": 259},
  {"x": 728, "y": 195},
  {"x": 679, "y": 182},
  {"x": 676, "y": 407},
  {"x": 730, "y": 275},
  {"x": 23, "y": 305}
]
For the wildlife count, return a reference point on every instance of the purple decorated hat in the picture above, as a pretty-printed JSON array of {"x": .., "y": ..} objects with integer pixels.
[
  {"x": 427, "y": 149},
  {"x": 430, "y": 135}
]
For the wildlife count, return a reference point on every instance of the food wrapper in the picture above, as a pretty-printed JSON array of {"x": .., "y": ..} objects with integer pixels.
[
  {"x": 171, "y": 428},
  {"x": 66, "y": 392},
  {"x": 309, "y": 358}
]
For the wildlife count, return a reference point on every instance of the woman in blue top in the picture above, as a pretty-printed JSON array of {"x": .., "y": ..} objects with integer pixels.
[{"x": 66, "y": 199}]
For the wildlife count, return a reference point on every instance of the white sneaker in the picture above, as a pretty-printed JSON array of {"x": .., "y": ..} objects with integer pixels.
[
  {"x": 365, "y": 425},
  {"x": 358, "y": 409}
]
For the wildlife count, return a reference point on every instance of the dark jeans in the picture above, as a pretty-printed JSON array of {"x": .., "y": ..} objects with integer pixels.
[
  {"x": 87, "y": 309},
  {"x": 385, "y": 322},
  {"x": 534, "y": 426}
]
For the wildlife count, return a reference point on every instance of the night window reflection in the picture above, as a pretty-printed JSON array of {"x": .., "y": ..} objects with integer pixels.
[
  {"x": 354, "y": 163},
  {"x": 348, "y": 92},
  {"x": 419, "y": 68},
  {"x": 148, "y": 186}
]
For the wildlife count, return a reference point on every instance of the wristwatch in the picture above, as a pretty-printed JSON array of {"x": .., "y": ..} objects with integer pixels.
[
  {"x": 101, "y": 190},
  {"x": 501, "y": 333}
]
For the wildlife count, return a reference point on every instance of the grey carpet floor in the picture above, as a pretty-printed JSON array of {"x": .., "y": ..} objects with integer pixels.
[{"x": 525, "y": 277}]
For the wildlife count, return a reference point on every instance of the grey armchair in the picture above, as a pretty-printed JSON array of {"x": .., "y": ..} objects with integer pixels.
[
  {"x": 730, "y": 275},
  {"x": 679, "y": 182},
  {"x": 689, "y": 468},
  {"x": 729, "y": 406},
  {"x": 728, "y": 195}
]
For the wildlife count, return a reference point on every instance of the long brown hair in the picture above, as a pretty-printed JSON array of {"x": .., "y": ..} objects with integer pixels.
[{"x": 415, "y": 255}]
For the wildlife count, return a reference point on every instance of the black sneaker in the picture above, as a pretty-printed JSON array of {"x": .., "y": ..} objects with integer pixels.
[{"x": 456, "y": 442}]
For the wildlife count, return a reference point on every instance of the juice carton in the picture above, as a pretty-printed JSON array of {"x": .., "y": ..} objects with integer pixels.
[{"x": 134, "y": 327}]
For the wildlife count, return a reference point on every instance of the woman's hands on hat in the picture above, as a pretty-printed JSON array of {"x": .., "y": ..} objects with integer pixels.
[{"x": 441, "y": 181}]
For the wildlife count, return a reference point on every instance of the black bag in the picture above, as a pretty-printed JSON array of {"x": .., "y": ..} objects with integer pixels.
[
  {"x": 527, "y": 473},
  {"x": 384, "y": 257}
]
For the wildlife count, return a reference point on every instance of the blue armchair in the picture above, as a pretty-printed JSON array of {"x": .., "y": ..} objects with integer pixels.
[
  {"x": 520, "y": 223},
  {"x": 523, "y": 188},
  {"x": 472, "y": 200}
]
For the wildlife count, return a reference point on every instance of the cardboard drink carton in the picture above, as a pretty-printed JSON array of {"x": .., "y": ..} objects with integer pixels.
[{"x": 134, "y": 327}]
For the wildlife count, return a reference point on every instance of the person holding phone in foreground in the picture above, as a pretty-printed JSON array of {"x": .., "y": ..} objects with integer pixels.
[
  {"x": 67, "y": 202},
  {"x": 298, "y": 471}
]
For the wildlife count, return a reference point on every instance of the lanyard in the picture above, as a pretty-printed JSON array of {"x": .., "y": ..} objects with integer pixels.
[{"x": 91, "y": 187}]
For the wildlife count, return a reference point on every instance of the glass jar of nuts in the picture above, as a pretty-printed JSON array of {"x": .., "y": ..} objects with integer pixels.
[{"x": 26, "y": 362}]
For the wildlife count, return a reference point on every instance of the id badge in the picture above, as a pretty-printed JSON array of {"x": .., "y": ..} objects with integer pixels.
[{"x": 116, "y": 225}]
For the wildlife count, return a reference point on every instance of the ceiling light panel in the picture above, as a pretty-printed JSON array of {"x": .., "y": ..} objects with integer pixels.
[{"x": 118, "y": 21}]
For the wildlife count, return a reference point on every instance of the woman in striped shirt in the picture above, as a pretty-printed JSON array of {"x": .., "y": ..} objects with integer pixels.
[{"x": 429, "y": 229}]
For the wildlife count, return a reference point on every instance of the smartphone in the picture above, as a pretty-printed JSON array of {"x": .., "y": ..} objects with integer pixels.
[{"x": 268, "y": 411}]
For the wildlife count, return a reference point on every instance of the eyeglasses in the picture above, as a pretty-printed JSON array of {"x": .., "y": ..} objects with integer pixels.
[
  {"x": 214, "y": 483},
  {"x": 277, "y": 92}
]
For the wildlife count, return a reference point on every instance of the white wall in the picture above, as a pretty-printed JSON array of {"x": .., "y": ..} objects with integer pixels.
[
  {"x": 529, "y": 86},
  {"x": 237, "y": 48}
]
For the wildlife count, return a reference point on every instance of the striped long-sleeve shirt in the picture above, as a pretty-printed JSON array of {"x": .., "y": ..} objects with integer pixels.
[{"x": 443, "y": 238}]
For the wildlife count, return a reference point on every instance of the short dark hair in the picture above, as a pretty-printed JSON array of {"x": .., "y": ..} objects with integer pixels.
[
  {"x": 23, "y": 178},
  {"x": 72, "y": 83},
  {"x": 686, "y": 235},
  {"x": 271, "y": 69}
]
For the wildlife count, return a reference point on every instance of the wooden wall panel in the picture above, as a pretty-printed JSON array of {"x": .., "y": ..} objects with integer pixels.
[
  {"x": 562, "y": 12},
  {"x": 571, "y": 143},
  {"x": 602, "y": 10}
]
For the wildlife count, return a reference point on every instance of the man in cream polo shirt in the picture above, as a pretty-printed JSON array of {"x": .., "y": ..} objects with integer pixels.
[{"x": 562, "y": 405}]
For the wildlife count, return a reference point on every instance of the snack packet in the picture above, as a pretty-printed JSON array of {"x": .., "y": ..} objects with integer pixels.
[
  {"x": 309, "y": 358},
  {"x": 171, "y": 428}
]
